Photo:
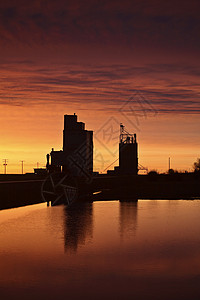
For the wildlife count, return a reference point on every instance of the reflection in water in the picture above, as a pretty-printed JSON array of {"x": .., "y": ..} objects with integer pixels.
[
  {"x": 128, "y": 217},
  {"x": 161, "y": 261},
  {"x": 78, "y": 225}
]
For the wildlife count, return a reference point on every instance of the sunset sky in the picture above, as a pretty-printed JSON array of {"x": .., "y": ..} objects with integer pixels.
[{"x": 135, "y": 62}]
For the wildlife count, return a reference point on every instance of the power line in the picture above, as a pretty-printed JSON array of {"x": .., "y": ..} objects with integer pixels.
[
  {"x": 142, "y": 168},
  {"x": 22, "y": 161},
  {"x": 111, "y": 164},
  {"x": 5, "y": 164}
]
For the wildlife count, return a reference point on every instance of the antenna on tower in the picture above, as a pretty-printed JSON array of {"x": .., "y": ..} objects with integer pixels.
[{"x": 125, "y": 136}]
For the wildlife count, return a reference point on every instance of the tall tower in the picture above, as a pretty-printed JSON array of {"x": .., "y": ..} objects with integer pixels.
[
  {"x": 128, "y": 153},
  {"x": 77, "y": 154},
  {"x": 78, "y": 142}
]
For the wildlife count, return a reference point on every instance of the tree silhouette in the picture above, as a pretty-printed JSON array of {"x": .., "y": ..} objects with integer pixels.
[
  {"x": 196, "y": 165},
  {"x": 172, "y": 171},
  {"x": 153, "y": 172}
]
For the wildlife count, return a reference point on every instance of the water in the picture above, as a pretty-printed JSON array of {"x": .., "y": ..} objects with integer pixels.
[{"x": 104, "y": 250}]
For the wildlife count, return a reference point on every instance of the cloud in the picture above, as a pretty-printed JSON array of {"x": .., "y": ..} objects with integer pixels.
[
  {"x": 103, "y": 86},
  {"x": 129, "y": 22}
]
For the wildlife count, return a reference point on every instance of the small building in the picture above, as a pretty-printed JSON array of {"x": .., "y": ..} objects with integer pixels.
[{"x": 40, "y": 171}]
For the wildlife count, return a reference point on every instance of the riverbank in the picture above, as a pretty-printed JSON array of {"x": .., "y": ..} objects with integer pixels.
[{"x": 22, "y": 190}]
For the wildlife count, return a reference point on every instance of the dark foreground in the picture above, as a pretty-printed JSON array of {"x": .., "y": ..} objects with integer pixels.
[{"x": 22, "y": 190}]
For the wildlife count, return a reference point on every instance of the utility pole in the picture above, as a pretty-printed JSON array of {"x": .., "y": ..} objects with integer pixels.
[
  {"x": 22, "y": 161},
  {"x": 5, "y": 164},
  {"x": 37, "y": 165}
]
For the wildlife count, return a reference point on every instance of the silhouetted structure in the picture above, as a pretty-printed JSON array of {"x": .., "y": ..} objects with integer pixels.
[
  {"x": 77, "y": 153},
  {"x": 81, "y": 185},
  {"x": 128, "y": 153}
]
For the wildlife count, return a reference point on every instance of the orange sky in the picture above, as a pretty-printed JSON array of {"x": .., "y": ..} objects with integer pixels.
[
  {"x": 136, "y": 63},
  {"x": 29, "y": 133}
]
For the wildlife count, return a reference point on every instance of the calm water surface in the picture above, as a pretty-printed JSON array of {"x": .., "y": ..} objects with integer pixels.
[{"x": 104, "y": 250}]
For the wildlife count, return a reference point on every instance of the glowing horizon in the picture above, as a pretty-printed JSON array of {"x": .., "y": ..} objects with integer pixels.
[{"x": 155, "y": 147}]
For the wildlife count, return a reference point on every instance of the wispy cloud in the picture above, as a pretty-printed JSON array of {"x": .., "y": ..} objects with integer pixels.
[{"x": 25, "y": 83}]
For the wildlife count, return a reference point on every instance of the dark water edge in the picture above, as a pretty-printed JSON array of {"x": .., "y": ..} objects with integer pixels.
[
  {"x": 17, "y": 194},
  {"x": 35, "y": 199},
  {"x": 22, "y": 190}
]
